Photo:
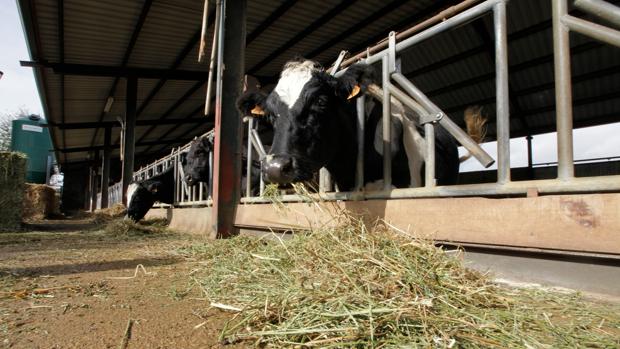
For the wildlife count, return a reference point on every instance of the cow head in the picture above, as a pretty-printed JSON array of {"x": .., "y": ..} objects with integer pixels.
[
  {"x": 306, "y": 109},
  {"x": 141, "y": 197},
  {"x": 196, "y": 161}
]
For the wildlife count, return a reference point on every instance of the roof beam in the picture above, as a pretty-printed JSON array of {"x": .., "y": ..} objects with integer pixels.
[
  {"x": 118, "y": 71},
  {"x": 116, "y": 146},
  {"x": 302, "y": 34},
  {"x": 356, "y": 27},
  {"x": 285, "y": 6},
  {"x": 61, "y": 45},
  {"x": 146, "y": 7},
  {"x": 190, "y": 115},
  {"x": 172, "y": 108},
  {"x": 87, "y": 125}
]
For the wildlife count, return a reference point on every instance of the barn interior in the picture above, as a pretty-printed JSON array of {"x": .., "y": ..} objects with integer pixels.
[{"x": 102, "y": 64}]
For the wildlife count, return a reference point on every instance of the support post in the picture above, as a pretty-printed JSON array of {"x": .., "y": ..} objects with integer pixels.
[
  {"x": 105, "y": 166},
  {"x": 563, "y": 93},
  {"x": 228, "y": 122},
  {"x": 129, "y": 134},
  {"x": 502, "y": 93},
  {"x": 93, "y": 180},
  {"x": 530, "y": 160}
]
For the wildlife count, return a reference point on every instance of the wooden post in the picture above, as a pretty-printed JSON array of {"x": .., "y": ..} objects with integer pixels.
[
  {"x": 129, "y": 133},
  {"x": 228, "y": 123}
]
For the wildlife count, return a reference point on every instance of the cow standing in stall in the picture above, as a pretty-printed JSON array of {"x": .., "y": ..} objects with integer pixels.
[
  {"x": 314, "y": 119},
  {"x": 196, "y": 165},
  {"x": 142, "y": 195}
]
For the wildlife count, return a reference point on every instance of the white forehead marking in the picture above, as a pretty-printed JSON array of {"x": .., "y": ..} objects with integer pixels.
[
  {"x": 131, "y": 189},
  {"x": 292, "y": 80}
]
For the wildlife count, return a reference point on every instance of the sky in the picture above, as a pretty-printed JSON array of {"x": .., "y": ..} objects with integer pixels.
[
  {"x": 18, "y": 90},
  {"x": 17, "y": 85}
]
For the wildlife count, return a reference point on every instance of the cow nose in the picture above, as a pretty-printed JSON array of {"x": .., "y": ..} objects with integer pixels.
[{"x": 278, "y": 169}]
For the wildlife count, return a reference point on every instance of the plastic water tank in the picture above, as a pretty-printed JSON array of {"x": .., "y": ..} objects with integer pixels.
[{"x": 32, "y": 139}]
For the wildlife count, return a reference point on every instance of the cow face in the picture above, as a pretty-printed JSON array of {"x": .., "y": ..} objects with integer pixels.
[
  {"x": 196, "y": 161},
  {"x": 306, "y": 109},
  {"x": 141, "y": 197}
]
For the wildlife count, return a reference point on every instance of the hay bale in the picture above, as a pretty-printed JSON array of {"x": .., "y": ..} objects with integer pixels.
[
  {"x": 40, "y": 202},
  {"x": 12, "y": 179}
]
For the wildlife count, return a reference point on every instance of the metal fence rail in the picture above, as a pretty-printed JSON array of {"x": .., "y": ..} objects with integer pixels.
[{"x": 395, "y": 86}]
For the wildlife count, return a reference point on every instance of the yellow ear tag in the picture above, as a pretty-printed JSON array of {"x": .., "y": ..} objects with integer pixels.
[
  {"x": 257, "y": 111},
  {"x": 356, "y": 90}
]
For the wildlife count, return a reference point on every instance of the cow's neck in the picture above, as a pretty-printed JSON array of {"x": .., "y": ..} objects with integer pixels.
[{"x": 342, "y": 166}]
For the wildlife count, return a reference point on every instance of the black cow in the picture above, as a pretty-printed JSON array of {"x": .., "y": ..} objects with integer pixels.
[
  {"x": 196, "y": 165},
  {"x": 143, "y": 194},
  {"x": 314, "y": 119}
]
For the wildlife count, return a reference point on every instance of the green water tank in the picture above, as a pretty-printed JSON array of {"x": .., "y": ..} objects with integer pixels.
[{"x": 31, "y": 138}]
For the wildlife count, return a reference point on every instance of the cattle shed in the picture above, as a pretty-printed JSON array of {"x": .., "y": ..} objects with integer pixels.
[{"x": 123, "y": 77}]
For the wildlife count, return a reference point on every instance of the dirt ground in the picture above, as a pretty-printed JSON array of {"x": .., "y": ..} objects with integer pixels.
[{"x": 66, "y": 284}]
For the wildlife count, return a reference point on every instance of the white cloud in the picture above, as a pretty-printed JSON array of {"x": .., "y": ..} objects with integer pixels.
[{"x": 17, "y": 85}]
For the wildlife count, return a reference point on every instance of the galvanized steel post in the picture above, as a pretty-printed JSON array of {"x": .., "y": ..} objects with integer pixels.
[
  {"x": 129, "y": 135},
  {"x": 387, "y": 112},
  {"x": 563, "y": 93},
  {"x": 502, "y": 94}
]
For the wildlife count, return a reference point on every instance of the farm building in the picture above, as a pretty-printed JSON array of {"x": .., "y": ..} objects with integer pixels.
[{"x": 123, "y": 77}]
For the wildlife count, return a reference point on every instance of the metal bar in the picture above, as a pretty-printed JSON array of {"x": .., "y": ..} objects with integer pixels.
[
  {"x": 248, "y": 173},
  {"x": 502, "y": 93},
  {"x": 408, "y": 101},
  {"x": 212, "y": 60},
  {"x": 441, "y": 27},
  {"x": 593, "y": 30},
  {"x": 94, "y": 191},
  {"x": 336, "y": 64},
  {"x": 203, "y": 31},
  {"x": 439, "y": 17},
  {"x": 210, "y": 174},
  {"x": 387, "y": 125},
  {"x": 361, "y": 123},
  {"x": 601, "y": 9},
  {"x": 445, "y": 121},
  {"x": 258, "y": 144},
  {"x": 429, "y": 161},
  {"x": 545, "y": 186},
  {"x": 563, "y": 93},
  {"x": 129, "y": 134}
]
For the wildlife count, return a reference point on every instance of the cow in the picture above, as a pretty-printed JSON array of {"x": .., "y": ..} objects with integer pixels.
[
  {"x": 195, "y": 164},
  {"x": 314, "y": 119},
  {"x": 141, "y": 195}
]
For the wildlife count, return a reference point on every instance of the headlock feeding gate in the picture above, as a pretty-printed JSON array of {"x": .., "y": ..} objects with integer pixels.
[{"x": 507, "y": 214}]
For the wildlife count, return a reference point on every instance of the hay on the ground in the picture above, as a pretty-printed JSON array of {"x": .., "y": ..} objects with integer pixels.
[
  {"x": 107, "y": 214},
  {"x": 122, "y": 227},
  {"x": 353, "y": 286},
  {"x": 12, "y": 179},
  {"x": 40, "y": 201}
]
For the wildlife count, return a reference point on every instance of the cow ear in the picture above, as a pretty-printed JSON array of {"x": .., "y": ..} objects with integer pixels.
[
  {"x": 252, "y": 103},
  {"x": 354, "y": 81}
]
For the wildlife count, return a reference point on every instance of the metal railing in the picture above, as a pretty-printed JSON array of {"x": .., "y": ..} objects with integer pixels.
[
  {"x": 430, "y": 115},
  {"x": 403, "y": 93}
]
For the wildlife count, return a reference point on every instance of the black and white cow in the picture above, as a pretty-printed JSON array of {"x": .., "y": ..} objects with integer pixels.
[
  {"x": 314, "y": 119},
  {"x": 143, "y": 194},
  {"x": 196, "y": 165}
]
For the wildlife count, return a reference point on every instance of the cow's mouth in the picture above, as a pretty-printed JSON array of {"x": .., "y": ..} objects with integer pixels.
[{"x": 283, "y": 169}]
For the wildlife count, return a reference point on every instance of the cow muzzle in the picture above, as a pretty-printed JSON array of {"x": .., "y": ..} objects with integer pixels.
[{"x": 278, "y": 169}]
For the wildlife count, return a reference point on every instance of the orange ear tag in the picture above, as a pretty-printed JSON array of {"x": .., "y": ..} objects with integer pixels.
[
  {"x": 257, "y": 111},
  {"x": 354, "y": 92}
]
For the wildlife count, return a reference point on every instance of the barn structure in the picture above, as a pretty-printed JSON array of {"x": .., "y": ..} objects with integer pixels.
[{"x": 122, "y": 77}]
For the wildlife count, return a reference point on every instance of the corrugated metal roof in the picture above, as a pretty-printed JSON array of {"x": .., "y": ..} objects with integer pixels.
[{"x": 99, "y": 32}]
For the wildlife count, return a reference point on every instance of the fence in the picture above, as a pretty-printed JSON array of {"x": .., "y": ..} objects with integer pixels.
[{"x": 396, "y": 87}]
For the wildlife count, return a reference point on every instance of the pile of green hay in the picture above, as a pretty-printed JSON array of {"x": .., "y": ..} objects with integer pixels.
[
  {"x": 353, "y": 286},
  {"x": 12, "y": 179}
]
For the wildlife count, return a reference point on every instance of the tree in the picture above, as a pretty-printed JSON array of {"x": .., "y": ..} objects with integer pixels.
[{"x": 6, "y": 122}]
